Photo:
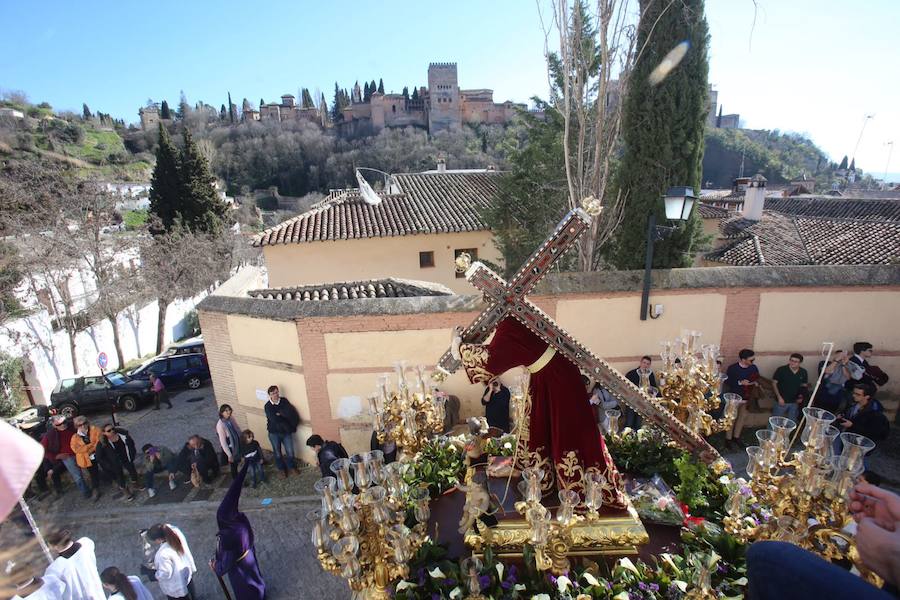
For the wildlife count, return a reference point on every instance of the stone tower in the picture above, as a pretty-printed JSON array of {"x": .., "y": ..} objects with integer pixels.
[{"x": 444, "y": 109}]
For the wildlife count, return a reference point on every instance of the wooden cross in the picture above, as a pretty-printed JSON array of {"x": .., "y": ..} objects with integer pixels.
[{"x": 509, "y": 299}]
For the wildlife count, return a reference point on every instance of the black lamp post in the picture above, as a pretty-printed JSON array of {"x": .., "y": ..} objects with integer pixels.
[{"x": 679, "y": 202}]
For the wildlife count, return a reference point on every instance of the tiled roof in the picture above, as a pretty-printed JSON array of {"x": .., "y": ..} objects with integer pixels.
[
  {"x": 376, "y": 288},
  {"x": 779, "y": 239},
  {"x": 857, "y": 209},
  {"x": 428, "y": 203},
  {"x": 708, "y": 211}
]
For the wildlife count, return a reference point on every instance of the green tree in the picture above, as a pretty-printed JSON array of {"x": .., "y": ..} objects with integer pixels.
[
  {"x": 367, "y": 93},
  {"x": 337, "y": 105},
  {"x": 12, "y": 393},
  {"x": 306, "y": 100},
  {"x": 201, "y": 209},
  {"x": 415, "y": 95},
  {"x": 843, "y": 165},
  {"x": 165, "y": 184},
  {"x": 663, "y": 129},
  {"x": 261, "y": 102},
  {"x": 853, "y": 164},
  {"x": 380, "y": 86},
  {"x": 222, "y": 113},
  {"x": 406, "y": 93},
  {"x": 86, "y": 112},
  {"x": 164, "y": 111},
  {"x": 230, "y": 109},
  {"x": 183, "y": 107}
]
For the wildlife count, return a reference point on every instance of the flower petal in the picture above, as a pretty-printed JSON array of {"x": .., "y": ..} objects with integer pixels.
[{"x": 436, "y": 573}]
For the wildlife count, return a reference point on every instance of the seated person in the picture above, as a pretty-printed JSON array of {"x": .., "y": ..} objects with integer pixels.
[
  {"x": 198, "y": 452},
  {"x": 157, "y": 459}
]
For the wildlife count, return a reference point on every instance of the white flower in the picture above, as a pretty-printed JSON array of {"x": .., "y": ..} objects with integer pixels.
[
  {"x": 681, "y": 585},
  {"x": 436, "y": 573},
  {"x": 499, "y": 571},
  {"x": 508, "y": 445},
  {"x": 563, "y": 583},
  {"x": 405, "y": 584},
  {"x": 456, "y": 592},
  {"x": 541, "y": 597},
  {"x": 626, "y": 563},
  {"x": 519, "y": 587},
  {"x": 590, "y": 578}
]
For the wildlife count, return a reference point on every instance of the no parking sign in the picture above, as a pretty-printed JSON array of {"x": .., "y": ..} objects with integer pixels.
[{"x": 102, "y": 360}]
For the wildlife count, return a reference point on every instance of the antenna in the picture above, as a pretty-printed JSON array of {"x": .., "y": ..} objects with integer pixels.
[{"x": 887, "y": 165}]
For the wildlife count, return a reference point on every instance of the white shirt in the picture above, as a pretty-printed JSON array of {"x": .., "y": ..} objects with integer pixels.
[
  {"x": 140, "y": 589},
  {"x": 79, "y": 573},
  {"x": 174, "y": 571},
  {"x": 53, "y": 589}
]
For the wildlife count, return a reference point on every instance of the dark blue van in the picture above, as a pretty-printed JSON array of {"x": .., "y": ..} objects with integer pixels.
[{"x": 176, "y": 370}]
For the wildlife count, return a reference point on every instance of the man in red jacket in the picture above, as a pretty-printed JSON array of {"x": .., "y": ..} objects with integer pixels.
[{"x": 57, "y": 443}]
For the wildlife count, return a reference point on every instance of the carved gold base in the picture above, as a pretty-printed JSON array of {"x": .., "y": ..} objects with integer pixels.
[{"x": 619, "y": 534}]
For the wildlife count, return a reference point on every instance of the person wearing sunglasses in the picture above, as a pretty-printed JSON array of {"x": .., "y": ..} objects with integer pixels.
[
  {"x": 84, "y": 445},
  {"x": 116, "y": 453}
]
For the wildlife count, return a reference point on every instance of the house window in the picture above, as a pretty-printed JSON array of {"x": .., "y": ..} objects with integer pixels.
[
  {"x": 426, "y": 259},
  {"x": 473, "y": 254}
]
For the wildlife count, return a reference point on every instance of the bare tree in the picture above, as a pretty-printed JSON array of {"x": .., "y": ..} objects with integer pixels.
[
  {"x": 590, "y": 74},
  {"x": 180, "y": 264}
]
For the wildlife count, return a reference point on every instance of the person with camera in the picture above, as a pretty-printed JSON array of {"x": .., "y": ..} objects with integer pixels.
[{"x": 496, "y": 399}]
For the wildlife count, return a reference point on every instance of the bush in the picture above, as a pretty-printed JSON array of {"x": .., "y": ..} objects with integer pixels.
[
  {"x": 12, "y": 394},
  {"x": 135, "y": 219},
  {"x": 267, "y": 203}
]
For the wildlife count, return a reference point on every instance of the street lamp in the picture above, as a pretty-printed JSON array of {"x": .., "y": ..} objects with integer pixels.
[{"x": 679, "y": 202}]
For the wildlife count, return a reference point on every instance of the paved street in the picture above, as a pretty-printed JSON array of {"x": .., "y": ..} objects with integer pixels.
[{"x": 284, "y": 549}]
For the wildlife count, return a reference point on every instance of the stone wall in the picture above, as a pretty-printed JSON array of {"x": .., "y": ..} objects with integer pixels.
[{"x": 345, "y": 345}]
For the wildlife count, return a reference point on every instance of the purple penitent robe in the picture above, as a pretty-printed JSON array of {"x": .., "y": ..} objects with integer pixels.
[{"x": 235, "y": 553}]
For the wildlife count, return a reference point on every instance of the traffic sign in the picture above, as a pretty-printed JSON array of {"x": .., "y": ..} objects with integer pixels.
[{"x": 102, "y": 360}]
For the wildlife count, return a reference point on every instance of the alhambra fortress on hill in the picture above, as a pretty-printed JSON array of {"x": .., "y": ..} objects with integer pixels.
[{"x": 441, "y": 106}]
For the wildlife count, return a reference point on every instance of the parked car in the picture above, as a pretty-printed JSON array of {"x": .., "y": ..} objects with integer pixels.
[
  {"x": 32, "y": 420},
  {"x": 192, "y": 345},
  {"x": 175, "y": 370},
  {"x": 97, "y": 392}
]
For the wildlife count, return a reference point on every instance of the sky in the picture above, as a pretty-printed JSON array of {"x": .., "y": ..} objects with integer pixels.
[{"x": 816, "y": 67}]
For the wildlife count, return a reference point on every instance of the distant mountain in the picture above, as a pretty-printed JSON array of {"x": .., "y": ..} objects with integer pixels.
[{"x": 780, "y": 157}]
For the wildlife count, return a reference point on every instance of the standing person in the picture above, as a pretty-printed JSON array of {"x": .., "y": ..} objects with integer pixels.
[
  {"x": 174, "y": 562},
  {"x": 742, "y": 378},
  {"x": 156, "y": 460},
  {"x": 281, "y": 423},
  {"x": 30, "y": 586},
  {"x": 75, "y": 565},
  {"x": 644, "y": 378},
  {"x": 791, "y": 384},
  {"x": 84, "y": 445},
  {"x": 229, "y": 433},
  {"x": 116, "y": 454},
  {"x": 252, "y": 455},
  {"x": 388, "y": 448},
  {"x": 123, "y": 587},
  {"x": 160, "y": 394},
  {"x": 832, "y": 393},
  {"x": 57, "y": 443},
  {"x": 863, "y": 372},
  {"x": 200, "y": 454},
  {"x": 496, "y": 399},
  {"x": 326, "y": 453},
  {"x": 235, "y": 550}
]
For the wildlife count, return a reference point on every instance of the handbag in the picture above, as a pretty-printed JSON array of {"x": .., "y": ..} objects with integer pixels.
[{"x": 877, "y": 375}]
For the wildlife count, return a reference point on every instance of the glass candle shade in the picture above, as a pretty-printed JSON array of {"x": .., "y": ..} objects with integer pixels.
[
  {"x": 421, "y": 498},
  {"x": 593, "y": 490},
  {"x": 732, "y": 405},
  {"x": 398, "y": 536},
  {"x": 645, "y": 379},
  {"x": 383, "y": 389},
  {"x": 783, "y": 427},
  {"x": 350, "y": 568},
  {"x": 532, "y": 478},
  {"x": 613, "y": 415},
  {"x": 470, "y": 569},
  {"x": 341, "y": 470},
  {"x": 348, "y": 520},
  {"x": 439, "y": 403},
  {"x": 753, "y": 465},
  {"x": 770, "y": 445},
  {"x": 844, "y": 474},
  {"x": 567, "y": 501},
  {"x": 788, "y": 529},
  {"x": 855, "y": 449},
  {"x": 360, "y": 470},
  {"x": 400, "y": 371},
  {"x": 817, "y": 421},
  {"x": 325, "y": 487},
  {"x": 375, "y": 462},
  {"x": 540, "y": 525},
  {"x": 317, "y": 535}
]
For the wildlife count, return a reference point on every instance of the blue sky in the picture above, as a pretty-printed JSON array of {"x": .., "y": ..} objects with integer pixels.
[{"x": 812, "y": 66}]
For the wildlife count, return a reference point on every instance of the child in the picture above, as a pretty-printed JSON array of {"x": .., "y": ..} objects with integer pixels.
[{"x": 252, "y": 454}]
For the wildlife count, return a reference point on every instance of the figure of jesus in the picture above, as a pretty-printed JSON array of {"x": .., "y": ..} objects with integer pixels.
[{"x": 563, "y": 436}]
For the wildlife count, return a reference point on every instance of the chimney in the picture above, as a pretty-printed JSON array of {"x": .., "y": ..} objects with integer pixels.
[
  {"x": 754, "y": 198},
  {"x": 441, "y": 165}
]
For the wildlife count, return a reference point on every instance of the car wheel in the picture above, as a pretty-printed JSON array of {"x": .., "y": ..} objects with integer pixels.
[
  {"x": 69, "y": 411},
  {"x": 129, "y": 403},
  {"x": 194, "y": 382}
]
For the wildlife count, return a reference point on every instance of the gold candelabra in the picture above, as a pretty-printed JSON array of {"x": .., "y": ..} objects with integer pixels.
[
  {"x": 359, "y": 532},
  {"x": 801, "y": 498},
  {"x": 406, "y": 417},
  {"x": 689, "y": 385}
]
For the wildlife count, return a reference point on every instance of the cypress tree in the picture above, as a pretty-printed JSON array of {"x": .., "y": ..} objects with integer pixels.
[
  {"x": 164, "y": 112},
  {"x": 367, "y": 93},
  {"x": 230, "y": 109},
  {"x": 415, "y": 95},
  {"x": 405, "y": 93},
  {"x": 201, "y": 208},
  {"x": 853, "y": 164},
  {"x": 662, "y": 131},
  {"x": 222, "y": 113},
  {"x": 380, "y": 86},
  {"x": 843, "y": 165},
  {"x": 86, "y": 112},
  {"x": 165, "y": 184},
  {"x": 337, "y": 104},
  {"x": 261, "y": 102}
]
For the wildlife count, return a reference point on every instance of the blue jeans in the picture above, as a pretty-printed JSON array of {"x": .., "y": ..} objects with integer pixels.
[
  {"x": 791, "y": 410},
  {"x": 257, "y": 472},
  {"x": 773, "y": 568},
  {"x": 283, "y": 461},
  {"x": 76, "y": 474}
]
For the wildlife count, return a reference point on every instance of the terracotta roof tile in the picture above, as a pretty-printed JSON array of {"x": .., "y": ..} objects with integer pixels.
[
  {"x": 707, "y": 211},
  {"x": 354, "y": 290},
  {"x": 429, "y": 203}
]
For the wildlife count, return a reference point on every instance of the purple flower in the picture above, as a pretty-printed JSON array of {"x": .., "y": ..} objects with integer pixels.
[
  {"x": 552, "y": 579},
  {"x": 609, "y": 585},
  {"x": 512, "y": 573},
  {"x": 722, "y": 569},
  {"x": 435, "y": 596},
  {"x": 642, "y": 586},
  {"x": 506, "y": 584},
  {"x": 654, "y": 587},
  {"x": 484, "y": 581},
  {"x": 448, "y": 582},
  {"x": 421, "y": 576},
  {"x": 745, "y": 491}
]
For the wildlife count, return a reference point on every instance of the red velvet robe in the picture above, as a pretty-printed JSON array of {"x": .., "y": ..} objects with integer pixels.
[{"x": 562, "y": 429}]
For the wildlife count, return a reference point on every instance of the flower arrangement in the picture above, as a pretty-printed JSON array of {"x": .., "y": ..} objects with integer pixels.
[
  {"x": 502, "y": 446},
  {"x": 439, "y": 466}
]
